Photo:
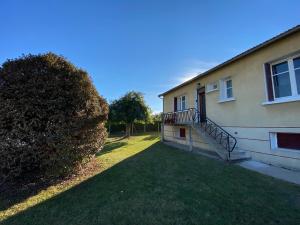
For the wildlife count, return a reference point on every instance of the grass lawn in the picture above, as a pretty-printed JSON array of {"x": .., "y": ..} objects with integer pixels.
[{"x": 142, "y": 181}]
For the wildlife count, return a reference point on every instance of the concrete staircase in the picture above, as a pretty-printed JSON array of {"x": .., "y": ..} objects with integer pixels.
[{"x": 235, "y": 155}]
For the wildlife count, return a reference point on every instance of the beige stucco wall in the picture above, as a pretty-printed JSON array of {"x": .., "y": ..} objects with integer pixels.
[
  {"x": 246, "y": 117},
  {"x": 171, "y": 133}
]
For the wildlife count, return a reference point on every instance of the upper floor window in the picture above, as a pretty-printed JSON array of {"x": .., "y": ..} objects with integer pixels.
[
  {"x": 228, "y": 86},
  {"x": 283, "y": 79},
  {"x": 211, "y": 87},
  {"x": 226, "y": 90},
  {"x": 296, "y": 63},
  {"x": 180, "y": 103}
]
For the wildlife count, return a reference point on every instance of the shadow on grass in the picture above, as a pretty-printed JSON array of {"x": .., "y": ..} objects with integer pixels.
[
  {"x": 111, "y": 146},
  {"x": 108, "y": 187},
  {"x": 116, "y": 139},
  {"x": 150, "y": 137},
  {"x": 12, "y": 193},
  {"x": 30, "y": 185},
  {"x": 162, "y": 185}
]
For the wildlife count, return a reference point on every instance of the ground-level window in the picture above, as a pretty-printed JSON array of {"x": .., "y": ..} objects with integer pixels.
[
  {"x": 182, "y": 132},
  {"x": 285, "y": 140}
]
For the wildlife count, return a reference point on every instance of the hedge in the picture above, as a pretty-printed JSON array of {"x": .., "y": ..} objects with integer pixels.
[{"x": 51, "y": 117}]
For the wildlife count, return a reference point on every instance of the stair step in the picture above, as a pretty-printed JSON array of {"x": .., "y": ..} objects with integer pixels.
[
  {"x": 235, "y": 155},
  {"x": 239, "y": 158}
]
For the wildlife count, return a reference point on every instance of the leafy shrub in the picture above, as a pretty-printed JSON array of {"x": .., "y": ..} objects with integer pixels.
[{"x": 51, "y": 116}]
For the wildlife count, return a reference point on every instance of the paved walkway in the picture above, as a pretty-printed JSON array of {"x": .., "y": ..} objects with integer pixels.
[{"x": 273, "y": 171}]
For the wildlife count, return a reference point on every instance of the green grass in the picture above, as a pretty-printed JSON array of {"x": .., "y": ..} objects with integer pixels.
[{"x": 142, "y": 181}]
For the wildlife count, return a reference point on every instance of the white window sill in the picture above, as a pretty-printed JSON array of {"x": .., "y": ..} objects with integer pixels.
[
  {"x": 286, "y": 150},
  {"x": 226, "y": 100},
  {"x": 282, "y": 100},
  {"x": 211, "y": 91}
]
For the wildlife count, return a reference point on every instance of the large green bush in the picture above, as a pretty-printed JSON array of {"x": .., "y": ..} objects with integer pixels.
[{"x": 51, "y": 116}]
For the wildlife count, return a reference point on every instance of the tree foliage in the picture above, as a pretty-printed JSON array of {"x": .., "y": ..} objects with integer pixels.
[
  {"x": 128, "y": 109},
  {"x": 51, "y": 116}
]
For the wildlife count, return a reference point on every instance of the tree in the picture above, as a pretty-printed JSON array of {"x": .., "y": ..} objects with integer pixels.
[
  {"x": 156, "y": 119},
  {"x": 51, "y": 116},
  {"x": 128, "y": 109}
]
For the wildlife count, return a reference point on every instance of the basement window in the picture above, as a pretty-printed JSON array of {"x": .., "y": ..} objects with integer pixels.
[
  {"x": 285, "y": 140},
  {"x": 182, "y": 132}
]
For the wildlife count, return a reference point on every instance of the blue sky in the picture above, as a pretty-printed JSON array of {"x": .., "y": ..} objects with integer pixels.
[{"x": 147, "y": 46}]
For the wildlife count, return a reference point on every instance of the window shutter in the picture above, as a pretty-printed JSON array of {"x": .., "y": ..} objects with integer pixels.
[
  {"x": 269, "y": 82},
  {"x": 175, "y": 104}
]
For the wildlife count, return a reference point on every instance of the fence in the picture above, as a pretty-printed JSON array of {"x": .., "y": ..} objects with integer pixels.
[{"x": 137, "y": 128}]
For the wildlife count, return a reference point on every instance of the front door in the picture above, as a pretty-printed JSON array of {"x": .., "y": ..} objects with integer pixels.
[{"x": 202, "y": 105}]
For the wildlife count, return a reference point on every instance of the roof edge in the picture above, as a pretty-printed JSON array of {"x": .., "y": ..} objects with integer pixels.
[{"x": 237, "y": 57}]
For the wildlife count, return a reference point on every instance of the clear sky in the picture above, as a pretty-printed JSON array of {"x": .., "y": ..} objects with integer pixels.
[{"x": 147, "y": 46}]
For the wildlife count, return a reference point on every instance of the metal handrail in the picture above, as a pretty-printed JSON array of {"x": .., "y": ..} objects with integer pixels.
[
  {"x": 192, "y": 116},
  {"x": 219, "y": 134}
]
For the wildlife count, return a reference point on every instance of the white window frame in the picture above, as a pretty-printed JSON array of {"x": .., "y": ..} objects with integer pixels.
[
  {"x": 179, "y": 103},
  {"x": 223, "y": 90},
  {"x": 273, "y": 140},
  {"x": 213, "y": 86},
  {"x": 295, "y": 96}
]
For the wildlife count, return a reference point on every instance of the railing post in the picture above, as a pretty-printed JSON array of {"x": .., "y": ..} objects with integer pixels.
[{"x": 228, "y": 147}]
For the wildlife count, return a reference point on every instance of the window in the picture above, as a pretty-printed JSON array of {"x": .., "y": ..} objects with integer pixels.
[
  {"x": 285, "y": 140},
  {"x": 228, "y": 84},
  {"x": 296, "y": 63},
  {"x": 182, "y": 132},
  {"x": 181, "y": 103},
  {"x": 211, "y": 87},
  {"x": 283, "y": 79},
  {"x": 226, "y": 90}
]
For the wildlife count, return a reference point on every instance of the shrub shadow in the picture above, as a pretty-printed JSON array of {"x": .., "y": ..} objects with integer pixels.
[
  {"x": 150, "y": 137},
  {"x": 111, "y": 146},
  {"x": 12, "y": 193},
  {"x": 95, "y": 190}
]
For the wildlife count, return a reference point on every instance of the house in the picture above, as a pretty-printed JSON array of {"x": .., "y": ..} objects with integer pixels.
[{"x": 248, "y": 106}]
